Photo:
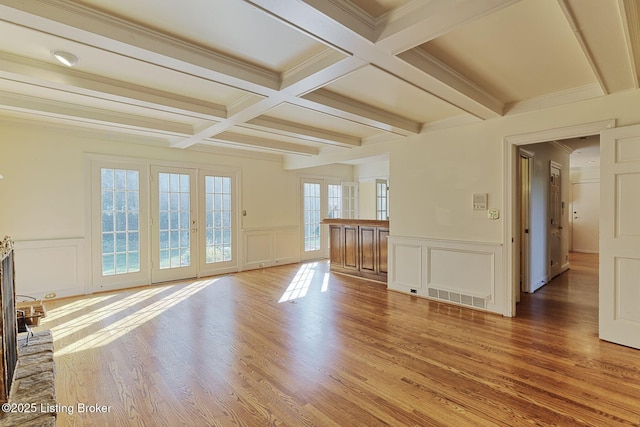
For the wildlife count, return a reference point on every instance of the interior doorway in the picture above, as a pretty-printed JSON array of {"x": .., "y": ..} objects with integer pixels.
[{"x": 520, "y": 267}]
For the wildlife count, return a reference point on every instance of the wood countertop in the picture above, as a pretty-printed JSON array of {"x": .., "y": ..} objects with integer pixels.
[{"x": 368, "y": 222}]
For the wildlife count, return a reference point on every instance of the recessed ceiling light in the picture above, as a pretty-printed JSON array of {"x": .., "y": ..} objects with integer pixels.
[{"x": 65, "y": 58}]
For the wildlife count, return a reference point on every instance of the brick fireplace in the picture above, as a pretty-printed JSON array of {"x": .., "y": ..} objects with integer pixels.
[{"x": 8, "y": 326}]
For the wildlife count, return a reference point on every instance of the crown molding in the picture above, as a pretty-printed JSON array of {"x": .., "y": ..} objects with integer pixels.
[{"x": 555, "y": 99}]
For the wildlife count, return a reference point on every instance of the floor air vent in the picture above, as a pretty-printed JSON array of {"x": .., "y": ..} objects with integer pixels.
[{"x": 458, "y": 298}]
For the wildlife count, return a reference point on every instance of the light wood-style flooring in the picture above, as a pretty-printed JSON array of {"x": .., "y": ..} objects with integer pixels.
[{"x": 297, "y": 345}]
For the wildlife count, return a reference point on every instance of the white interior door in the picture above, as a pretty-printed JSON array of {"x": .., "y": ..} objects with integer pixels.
[
  {"x": 555, "y": 215},
  {"x": 174, "y": 224},
  {"x": 620, "y": 236},
  {"x": 585, "y": 207}
]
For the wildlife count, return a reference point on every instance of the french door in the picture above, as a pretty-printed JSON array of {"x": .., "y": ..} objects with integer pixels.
[
  {"x": 323, "y": 199},
  {"x": 119, "y": 224},
  {"x": 153, "y": 224},
  {"x": 314, "y": 203},
  {"x": 193, "y": 223},
  {"x": 174, "y": 224}
]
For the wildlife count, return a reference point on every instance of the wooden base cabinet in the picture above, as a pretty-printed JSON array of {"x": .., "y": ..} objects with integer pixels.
[{"x": 359, "y": 247}]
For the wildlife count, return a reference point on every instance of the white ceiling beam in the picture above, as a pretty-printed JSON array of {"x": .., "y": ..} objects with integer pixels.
[
  {"x": 429, "y": 72},
  {"x": 288, "y": 94},
  {"x": 273, "y": 145},
  {"x": 66, "y": 111},
  {"x": 377, "y": 118},
  {"x": 241, "y": 116},
  {"x": 283, "y": 127},
  {"x": 630, "y": 11},
  {"x": 28, "y": 71},
  {"x": 419, "y": 22},
  {"x": 604, "y": 32},
  {"x": 575, "y": 28},
  {"x": 329, "y": 29}
]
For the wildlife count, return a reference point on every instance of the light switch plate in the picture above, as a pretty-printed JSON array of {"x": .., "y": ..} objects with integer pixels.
[{"x": 493, "y": 214}]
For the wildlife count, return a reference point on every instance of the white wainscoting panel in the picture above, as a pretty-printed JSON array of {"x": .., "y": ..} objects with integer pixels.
[
  {"x": 406, "y": 258},
  {"x": 50, "y": 266},
  {"x": 463, "y": 273},
  {"x": 269, "y": 247}
]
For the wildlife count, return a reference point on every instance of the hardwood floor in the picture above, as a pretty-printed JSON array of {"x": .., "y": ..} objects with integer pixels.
[{"x": 298, "y": 345}]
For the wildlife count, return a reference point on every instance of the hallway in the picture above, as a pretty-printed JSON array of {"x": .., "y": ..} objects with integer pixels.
[{"x": 569, "y": 302}]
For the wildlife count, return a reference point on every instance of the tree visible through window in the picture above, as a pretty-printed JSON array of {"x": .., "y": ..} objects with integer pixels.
[
  {"x": 175, "y": 220},
  {"x": 218, "y": 218},
  {"x": 120, "y": 215}
]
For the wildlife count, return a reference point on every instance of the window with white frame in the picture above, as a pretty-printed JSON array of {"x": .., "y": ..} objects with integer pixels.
[
  {"x": 334, "y": 206},
  {"x": 382, "y": 199},
  {"x": 349, "y": 200}
]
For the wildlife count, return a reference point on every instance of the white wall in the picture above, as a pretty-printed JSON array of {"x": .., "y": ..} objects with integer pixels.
[
  {"x": 435, "y": 174},
  {"x": 585, "y": 231},
  {"x": 45, "y": 189}
]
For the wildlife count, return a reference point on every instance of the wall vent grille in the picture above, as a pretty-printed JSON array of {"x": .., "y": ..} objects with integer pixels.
[{"x": 458, "y": 298}]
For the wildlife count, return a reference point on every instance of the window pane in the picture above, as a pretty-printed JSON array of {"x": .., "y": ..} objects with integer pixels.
[
  {"x": 120, "y": 226},
  {"x": 312, "y": 216},
  {"x": 175, "y": 218},
  {"x": 218, "y": 218}
]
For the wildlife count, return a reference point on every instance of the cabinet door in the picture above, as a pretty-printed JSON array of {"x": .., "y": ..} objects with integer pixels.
[
  {"x": 368, "y": 249},
  {"x": 351, "y": 247},
  {"x": 336, "y": 249},
  {"x": 383, "y": 235}
]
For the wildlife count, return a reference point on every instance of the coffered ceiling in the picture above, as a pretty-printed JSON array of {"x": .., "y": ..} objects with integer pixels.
[{"x": 306, "y": 78}]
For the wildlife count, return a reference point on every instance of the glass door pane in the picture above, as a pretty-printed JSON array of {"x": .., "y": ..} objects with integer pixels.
[
  {"x": 120, "y": 225},
  {"x": 313, "y": 207},
  {"x": 311, "y": 216},
  {"x": 174, "y": 224},
  {"x": 120, "y": 239},
  {"x": 218, "y": 216}
]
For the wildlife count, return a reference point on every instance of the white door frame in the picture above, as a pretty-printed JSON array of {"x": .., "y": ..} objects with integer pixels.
[
  {"x": 322, "y": 251},
  {"x": 524, "y": 196},
  {"x": 510, "y": 231}
]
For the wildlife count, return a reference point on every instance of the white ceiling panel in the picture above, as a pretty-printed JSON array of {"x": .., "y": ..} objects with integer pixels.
[
  {"x": 232, "y": 27},
  {"x": 393, "y": 95},
  {"x": 520, "y": 52},
  {"x": 306, "y": 77}
]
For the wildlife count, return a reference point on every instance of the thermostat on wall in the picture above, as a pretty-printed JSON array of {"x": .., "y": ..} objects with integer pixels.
[{"x": 480, "y": 202}]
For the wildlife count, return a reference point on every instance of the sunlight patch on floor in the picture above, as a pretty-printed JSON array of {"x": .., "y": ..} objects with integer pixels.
[
  {"x": 117, "y": 329},
  {"x": 73, "y": 307},
  {"x": 300, "y": 284}
]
